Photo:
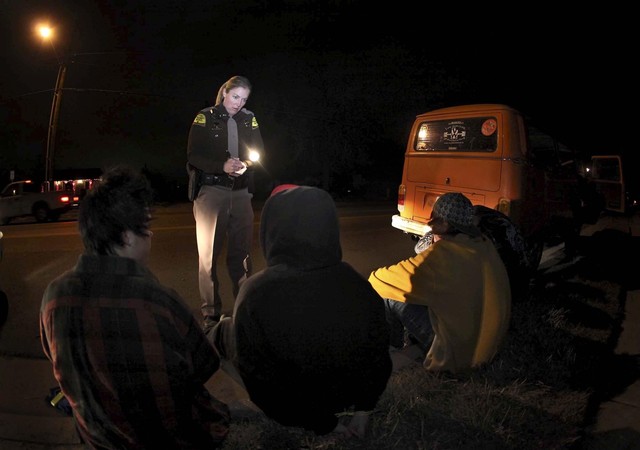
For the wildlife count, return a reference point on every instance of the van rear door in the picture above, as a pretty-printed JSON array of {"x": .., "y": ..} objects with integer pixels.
[
  {"x": 453, "y": 154},
  {"x": 606, "y": 174}
]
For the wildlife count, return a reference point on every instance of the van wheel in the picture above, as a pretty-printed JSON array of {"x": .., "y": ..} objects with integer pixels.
[
  {"x": 590, "y": 206},
  {"x": 511, "y": 245},
  {"x": 565, "y": 230}
]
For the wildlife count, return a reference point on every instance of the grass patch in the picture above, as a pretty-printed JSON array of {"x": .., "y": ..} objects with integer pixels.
[{"x": 539, "y": 392}]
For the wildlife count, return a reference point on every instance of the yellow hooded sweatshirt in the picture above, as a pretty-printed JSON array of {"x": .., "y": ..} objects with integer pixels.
[{"x": 464, "y": 283}]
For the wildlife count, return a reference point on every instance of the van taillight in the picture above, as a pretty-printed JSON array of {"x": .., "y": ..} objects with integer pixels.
[
  {"x": 402, "y": 191},
  {"x": 504, "y": 206},
  {"x": 65, "y": 199}
]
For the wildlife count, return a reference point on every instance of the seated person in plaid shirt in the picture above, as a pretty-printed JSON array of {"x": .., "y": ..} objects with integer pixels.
[{"x": 126, "y": 351}]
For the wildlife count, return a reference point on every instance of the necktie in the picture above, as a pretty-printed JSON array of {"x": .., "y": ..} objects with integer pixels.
[{"x": 232, "y": 130}]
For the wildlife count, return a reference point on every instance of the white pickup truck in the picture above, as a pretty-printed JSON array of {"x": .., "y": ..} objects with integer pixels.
[{"x": 24, "y": 198}]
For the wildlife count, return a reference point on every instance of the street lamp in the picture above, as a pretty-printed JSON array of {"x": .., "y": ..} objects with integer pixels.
[{"x": 47, "y": 34}]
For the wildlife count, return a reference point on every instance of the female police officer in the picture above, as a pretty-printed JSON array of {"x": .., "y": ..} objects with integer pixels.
[{"x": 219, "y": 149}]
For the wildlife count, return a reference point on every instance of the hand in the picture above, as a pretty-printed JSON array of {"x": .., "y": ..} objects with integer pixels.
[
  {"x": 358, "y": 424},
  {"x": 233, "y": 165},
  {"x": 342, "y": 431}
]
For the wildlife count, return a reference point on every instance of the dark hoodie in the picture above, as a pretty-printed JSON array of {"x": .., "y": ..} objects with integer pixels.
[{"x": 311, "y": 334}]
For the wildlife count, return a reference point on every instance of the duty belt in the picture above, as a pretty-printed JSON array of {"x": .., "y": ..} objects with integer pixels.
[{"x": 210, "y": 179}]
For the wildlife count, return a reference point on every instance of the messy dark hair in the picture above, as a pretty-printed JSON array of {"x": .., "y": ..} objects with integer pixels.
[{"x": 120, "y": 202}]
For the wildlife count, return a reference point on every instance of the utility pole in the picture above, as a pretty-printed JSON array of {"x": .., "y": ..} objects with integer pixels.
[{"x": 53, "y": 124}]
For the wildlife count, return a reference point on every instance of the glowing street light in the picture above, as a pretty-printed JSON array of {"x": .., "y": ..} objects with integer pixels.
[{"x": 46, "y": 32}]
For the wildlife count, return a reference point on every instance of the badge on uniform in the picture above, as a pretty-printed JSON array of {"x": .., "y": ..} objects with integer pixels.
[
  {"x": 200, "y": 120},
  {"x": 254, "y": 123}
]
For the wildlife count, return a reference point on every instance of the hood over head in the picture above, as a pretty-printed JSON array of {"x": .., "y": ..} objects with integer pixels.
[{"x": 299, "y": 227}]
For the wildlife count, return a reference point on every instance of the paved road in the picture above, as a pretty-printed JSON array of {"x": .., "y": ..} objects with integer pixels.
[{"x": 36, "y": 253}]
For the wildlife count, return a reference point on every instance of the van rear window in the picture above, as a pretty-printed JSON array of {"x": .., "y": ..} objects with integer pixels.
[{"x": 477, "y": 134}]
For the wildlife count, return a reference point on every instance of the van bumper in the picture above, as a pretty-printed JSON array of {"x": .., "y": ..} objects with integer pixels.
[{"x": 409, "y": 226}]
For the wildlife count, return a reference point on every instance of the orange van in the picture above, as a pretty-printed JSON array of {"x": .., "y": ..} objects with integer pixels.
[{"x": 496, "y": 157}]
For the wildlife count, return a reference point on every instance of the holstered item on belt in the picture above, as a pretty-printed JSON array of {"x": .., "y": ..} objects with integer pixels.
[
  {"x": 194, "y": 182},
  {"x": 210, "y": 179}
]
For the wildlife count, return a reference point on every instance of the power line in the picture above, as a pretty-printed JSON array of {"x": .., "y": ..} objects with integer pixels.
[{"x": 107, "y": 91}]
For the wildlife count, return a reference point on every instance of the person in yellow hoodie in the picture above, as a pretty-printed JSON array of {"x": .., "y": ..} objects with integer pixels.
[{"x": 453, "y": 298}]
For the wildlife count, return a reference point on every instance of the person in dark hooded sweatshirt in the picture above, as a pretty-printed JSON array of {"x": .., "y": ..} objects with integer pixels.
[{"x": 308, "y": 336}]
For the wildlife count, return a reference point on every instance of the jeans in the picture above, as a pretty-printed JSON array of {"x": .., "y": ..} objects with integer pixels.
[{"x": 408, "y": 322}]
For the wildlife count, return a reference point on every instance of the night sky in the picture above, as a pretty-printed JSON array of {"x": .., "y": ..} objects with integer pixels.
[{"x": 335, "y": 83}]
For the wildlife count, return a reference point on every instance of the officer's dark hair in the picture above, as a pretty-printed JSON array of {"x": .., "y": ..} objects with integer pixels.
[{"x": 120, "y": 202}]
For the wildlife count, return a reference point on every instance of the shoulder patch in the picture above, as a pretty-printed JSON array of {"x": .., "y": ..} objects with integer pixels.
[
  {"x": 200, "y": 120},
  {"x": 254, "y": 123}
]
